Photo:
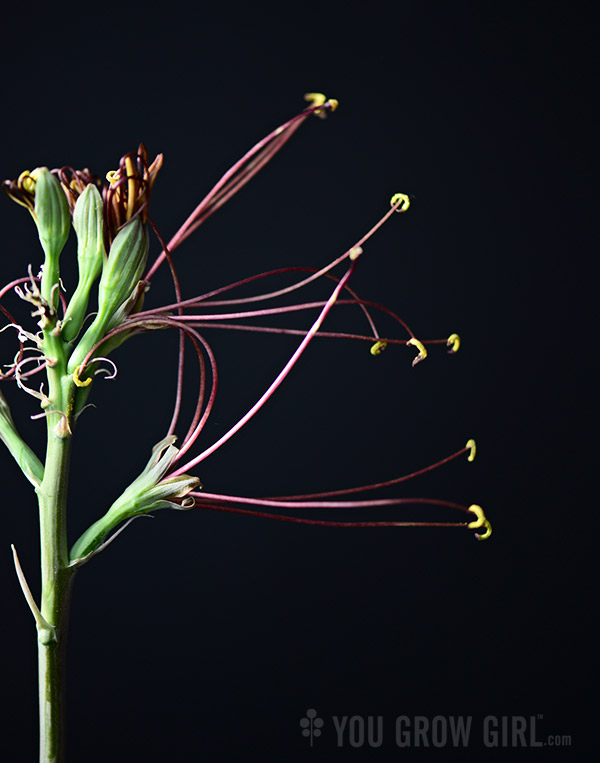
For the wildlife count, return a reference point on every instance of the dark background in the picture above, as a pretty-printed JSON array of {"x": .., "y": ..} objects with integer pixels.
[{"x": 199, "y": 636}]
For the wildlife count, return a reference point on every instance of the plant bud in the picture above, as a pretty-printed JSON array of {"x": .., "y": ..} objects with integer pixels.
[
  {"x": 53, "y": 220},
  {"x": 121, "y": 274},
  {"x": 88, "y": 224},
  {"x": 123, "y": 268}
]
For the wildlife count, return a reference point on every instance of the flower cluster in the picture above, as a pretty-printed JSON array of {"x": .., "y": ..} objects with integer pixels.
[{"x": 112, "y": 223}]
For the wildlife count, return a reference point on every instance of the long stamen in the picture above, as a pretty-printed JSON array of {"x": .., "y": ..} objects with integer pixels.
[
  {"x": 280, "y": 377},
  {"x": 377, "y": 485},
  {"x": 372, "y": 503},
  {"x": 181, "y": 355},
  {"x": 157, "y": 322},
  {"x": 325, "y": 522},
  {"x": 279, "y": 136}
]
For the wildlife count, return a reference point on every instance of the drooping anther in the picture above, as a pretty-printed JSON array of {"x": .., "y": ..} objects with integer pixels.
[
  {"x": 420, "y": 347},
  {"x": 487, "y": 533},
  {"x": 378, "y": 348},
  {"x": 473, "y": 450},
  {"x": 453, "y": 342},
  {"x": 318, "y": 99},
  {"x": 480, "y": 521},
  {"x": 402, "y": 200}
]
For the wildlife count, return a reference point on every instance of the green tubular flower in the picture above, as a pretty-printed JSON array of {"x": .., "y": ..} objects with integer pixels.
[
  {"x": 88, "y": 222},
  {"x": 146, "y": 493},
  {"x": 40, "y": 192}
]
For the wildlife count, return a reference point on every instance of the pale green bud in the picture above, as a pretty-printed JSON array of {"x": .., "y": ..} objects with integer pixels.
[
  {"x": 53, "y": 220},
  {"x": 124, "y": 267},
  {"x": 51, "y": 212},
  {"x": 146, "y": 493},
  {"x": 88, "y": 224},
  {"x": 40, "y": 192},
  {"x": 121, "y": 274}
]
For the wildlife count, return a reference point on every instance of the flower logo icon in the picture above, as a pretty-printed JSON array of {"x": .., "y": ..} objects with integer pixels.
[{"x": 311, "y": 725}]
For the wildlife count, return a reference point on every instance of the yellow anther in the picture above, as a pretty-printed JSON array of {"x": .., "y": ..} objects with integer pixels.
[
  {"x": 397, "y": 197},
  {"x": 481, "y": 520},
  {"x": 113, "y": 176},
  {"x": 78, "y": 381},
  {"x": 26, "y": 181},
  {"x": 473, "y": 450},
  {"x": 355, "y": 252},
  {"x": 453, "y": 342},
  {"x": 487, "y": 533},
  {"x": 378, "y": 348},
  {"x": 316, "y": 99},
  {"x": 420, "y": 347}
]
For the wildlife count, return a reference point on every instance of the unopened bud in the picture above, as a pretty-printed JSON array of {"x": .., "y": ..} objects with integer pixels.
[
  {"x": 51, "y": 212},
  {"x": 123, "y": 268},
  {"x": 121, "y": 275},
  {"x": 88, "y": 224}
]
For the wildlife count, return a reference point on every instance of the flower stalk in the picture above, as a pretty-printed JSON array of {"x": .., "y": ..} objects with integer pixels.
[{"x": 112, "y": 226}]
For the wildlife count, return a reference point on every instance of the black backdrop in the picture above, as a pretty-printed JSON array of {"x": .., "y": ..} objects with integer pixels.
[{"x": 203, "y": 635}]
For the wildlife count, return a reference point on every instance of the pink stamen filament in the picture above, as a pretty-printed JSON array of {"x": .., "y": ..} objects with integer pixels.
[
  {"x": 319, "y": 334},
  {"x": 131, "y": 324},
  {"x": 288, "y": 309},
  {"x": 181, "y": 354},
  {"x": 374, "y": 485},
  {"x": 282, "y": 504},
  {"x": 324, "y": 522},
  {"x": 277, "y": 381},
  {"x": 279, "y": 137}
]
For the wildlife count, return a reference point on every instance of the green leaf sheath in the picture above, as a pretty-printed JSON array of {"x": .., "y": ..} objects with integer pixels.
[{"x": 29, "y": 463}]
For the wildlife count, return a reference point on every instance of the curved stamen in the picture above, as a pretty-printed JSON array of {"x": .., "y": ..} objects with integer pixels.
[
  {"x": 327, "y": 523},
  {"x": 279, "y": 378},
  {"x": 375, "y": 485},
  {"x": 181, "y": 355},
  {"x": 157, "y": 322},
  {"x": 109, "y": 375},
  {"x": 235, "y": 178},
  {"x": 371, "y": 503}
]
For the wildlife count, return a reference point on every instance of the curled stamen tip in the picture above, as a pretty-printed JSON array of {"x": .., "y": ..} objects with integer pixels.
[
  {"x": 453, "y": 342},
  {"x": 78, "y": 382},
  {"x": 420, "y": 347},
  {"x": 400, "y": 197},
  {"x": 319, "y": 99},
  {"x": 355, "y": 252},
  {"x": 481, "y": 519},
  {"x": 471, "y": 444},
  {"x": 378, "y": 348},
  {"x": 487, "y": 533}
]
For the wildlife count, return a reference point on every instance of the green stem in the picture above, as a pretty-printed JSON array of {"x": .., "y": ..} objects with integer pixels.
[
  {"x": 57, "y": 581},
  {"x": 57, "y": 577}
]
